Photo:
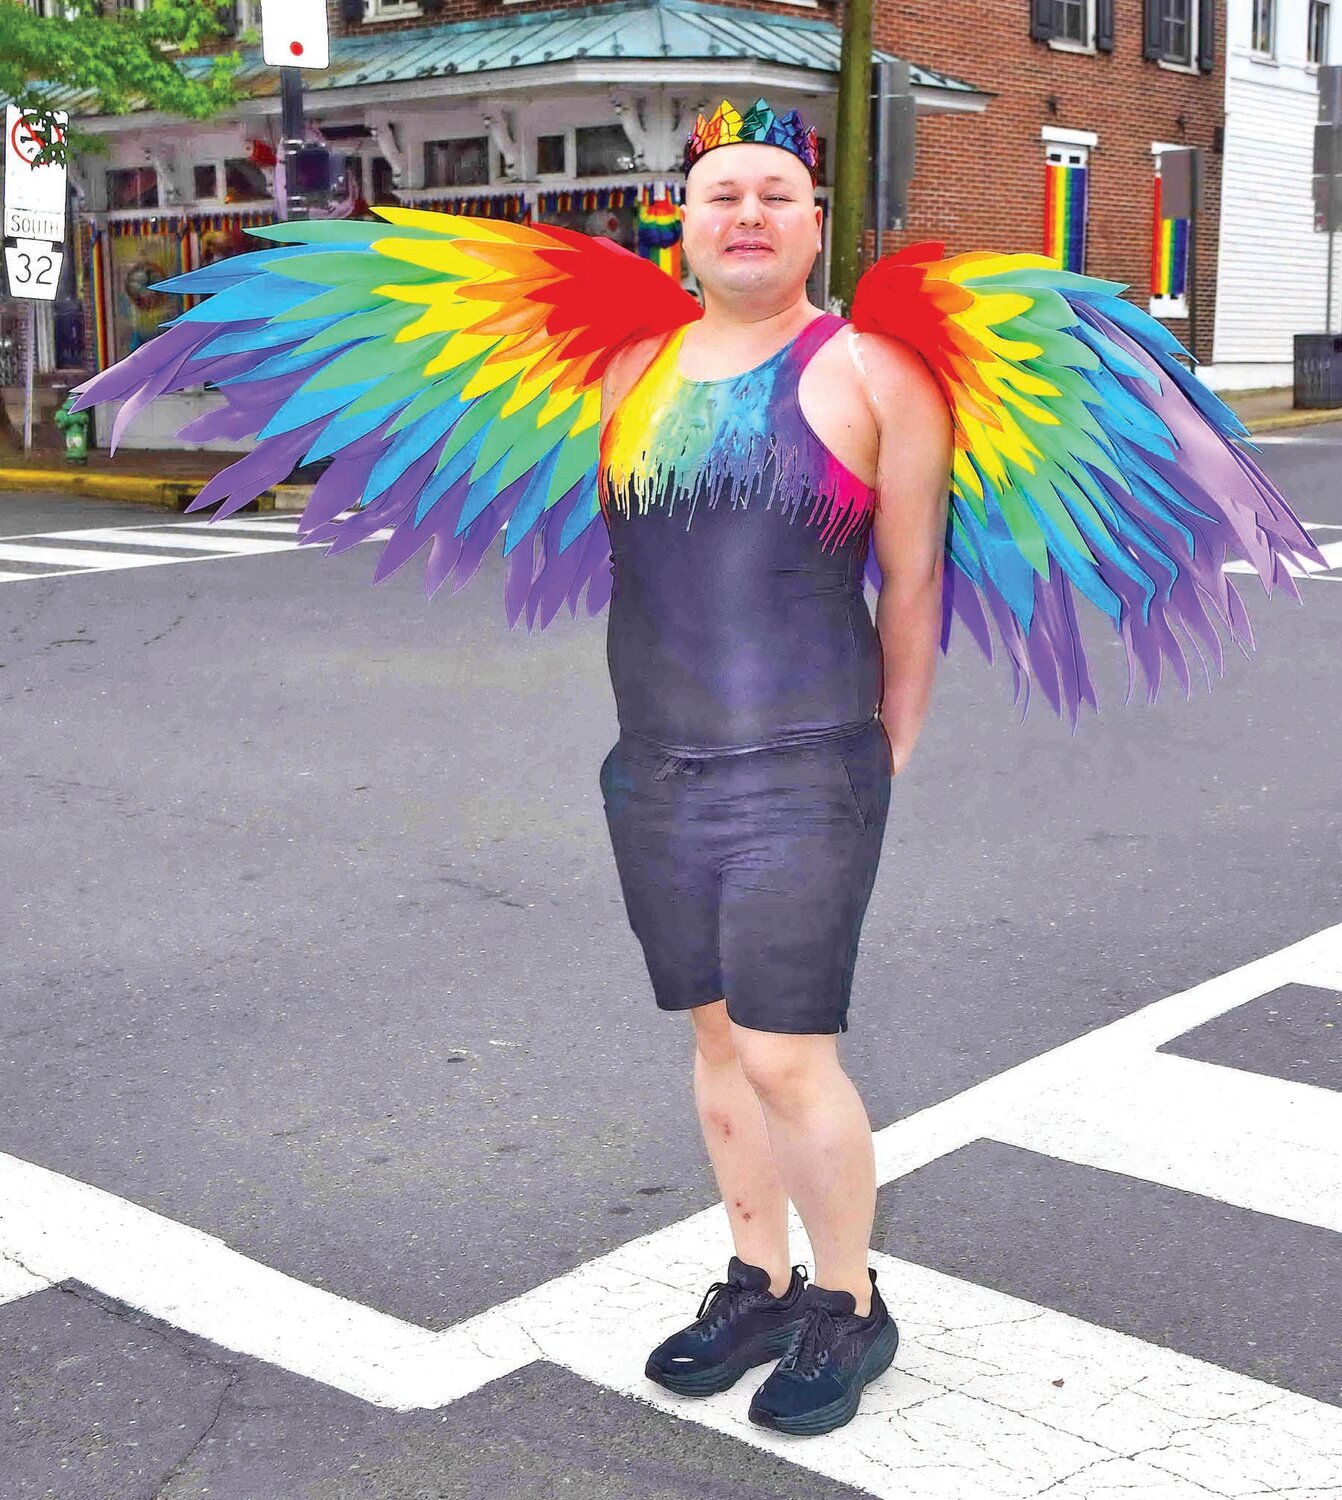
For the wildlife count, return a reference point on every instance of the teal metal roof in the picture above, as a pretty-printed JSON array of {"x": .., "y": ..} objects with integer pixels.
[{"x": 660, "y": 30}]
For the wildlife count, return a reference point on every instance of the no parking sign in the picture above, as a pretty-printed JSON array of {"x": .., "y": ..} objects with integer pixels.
[{"x": 34, "y": 206}]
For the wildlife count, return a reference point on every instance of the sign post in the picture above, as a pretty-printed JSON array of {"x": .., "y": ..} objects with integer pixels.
[
  {"x": 34, "y": 229},
  {"x": 891, "y": 138},
  {"x": 295, "y": 34},
  {"x": 1327, "y": 179}
]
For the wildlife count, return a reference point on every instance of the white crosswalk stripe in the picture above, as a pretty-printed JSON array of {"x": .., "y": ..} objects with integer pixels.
[
  {"x": 55, "y": 554},
  {"x": 990, "y": 1395}
]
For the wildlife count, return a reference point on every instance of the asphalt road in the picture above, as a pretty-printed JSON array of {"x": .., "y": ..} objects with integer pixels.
[{"x": 313, "y": 943}]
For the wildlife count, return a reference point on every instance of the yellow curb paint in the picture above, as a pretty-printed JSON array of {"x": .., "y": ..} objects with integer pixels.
[{"x": 143, "y": 489}]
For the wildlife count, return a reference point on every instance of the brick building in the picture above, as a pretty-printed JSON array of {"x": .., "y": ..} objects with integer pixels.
[
  {"x": 1085, "y": 93},
  {"x": 1040, "y": 124}
]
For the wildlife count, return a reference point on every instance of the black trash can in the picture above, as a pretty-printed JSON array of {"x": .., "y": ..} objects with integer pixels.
[{"x": 1318, "y": 369}]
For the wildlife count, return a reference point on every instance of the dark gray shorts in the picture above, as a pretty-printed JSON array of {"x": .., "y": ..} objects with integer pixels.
[{"x": 747, "y": 876}]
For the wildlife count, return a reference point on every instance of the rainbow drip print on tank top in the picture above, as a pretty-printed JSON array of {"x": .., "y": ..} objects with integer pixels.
[{"x": 673, "y": 442}]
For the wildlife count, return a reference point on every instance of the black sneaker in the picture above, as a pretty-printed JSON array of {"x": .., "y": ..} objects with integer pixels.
[
  {"x": 740, "y": 1323},
  {"x": 818, "y": 1383}
]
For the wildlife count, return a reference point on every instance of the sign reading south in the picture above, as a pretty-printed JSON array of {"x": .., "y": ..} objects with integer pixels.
[{"x": 34, "y": 192}]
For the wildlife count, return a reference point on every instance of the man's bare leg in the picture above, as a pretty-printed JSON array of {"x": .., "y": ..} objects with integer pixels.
[
  {"x": 738, "y": 1146},
  {"x": 820, "y": 1139}
]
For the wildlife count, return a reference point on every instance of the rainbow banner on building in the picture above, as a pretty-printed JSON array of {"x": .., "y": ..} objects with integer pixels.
[
  {"x": 658, "y": 224},
  {"x": 1065, "y": 214},
  {"x": 1169, "y": 252}
]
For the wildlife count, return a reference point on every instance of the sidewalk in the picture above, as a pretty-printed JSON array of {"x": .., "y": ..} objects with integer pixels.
[{"x": 173, "y": 478}]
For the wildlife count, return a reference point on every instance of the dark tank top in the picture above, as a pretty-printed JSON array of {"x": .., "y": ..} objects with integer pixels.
[{"x": 738, "y": 541}]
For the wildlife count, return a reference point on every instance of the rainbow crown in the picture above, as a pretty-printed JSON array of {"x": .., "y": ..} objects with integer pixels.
[{"x": 761, "y": 126}]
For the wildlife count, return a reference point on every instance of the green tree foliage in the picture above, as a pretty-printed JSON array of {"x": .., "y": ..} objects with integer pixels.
[{"x": 127, "y": 59}]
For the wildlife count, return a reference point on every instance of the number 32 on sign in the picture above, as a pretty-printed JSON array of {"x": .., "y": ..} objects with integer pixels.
[{"x": 34, "y": 269}]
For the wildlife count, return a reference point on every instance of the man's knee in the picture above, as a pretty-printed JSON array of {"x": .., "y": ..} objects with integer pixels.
[
  {"x": 783, "y": 1067},
  {"x": 713, "y": 1032}
]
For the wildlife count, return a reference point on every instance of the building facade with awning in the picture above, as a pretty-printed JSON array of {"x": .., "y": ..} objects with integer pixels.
[{"x": 574, "y": 116}]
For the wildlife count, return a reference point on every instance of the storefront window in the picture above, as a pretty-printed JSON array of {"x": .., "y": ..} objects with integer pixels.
[
  {"x": 460, "y": 163},
  {"x": 244, "y": 181},
  {"x": 549, "y": 154},
  {"x": 206, "y": 180},
  {"x": 603, "y": 149},
  {"x": 140, "y": 257},
  {"x": 132, "y": 187}
]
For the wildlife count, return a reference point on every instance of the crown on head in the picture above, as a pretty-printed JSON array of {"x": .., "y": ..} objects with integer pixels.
[{"x": 759, "y": 125}]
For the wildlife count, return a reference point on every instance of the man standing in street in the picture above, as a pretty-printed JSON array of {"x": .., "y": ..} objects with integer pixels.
[{"x": 748, "y": 461}]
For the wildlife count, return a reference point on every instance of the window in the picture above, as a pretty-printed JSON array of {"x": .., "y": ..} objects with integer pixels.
[
  {"x": 1318, "y": 31},
  {"x": 1176, "y": 32},
  {"x": 1180, "y": 33},
  {"x": 205, "y": 182},
  {"x": 1264, "y": 27},
  {"x": 1066, "y": 169},
  {"x": 1072, "y": 25},
  {"x": 602, "y": 149},
  {"x": 457, "y": 163},
  {"x": 1169, "y": 259},
  {"x": 549, "y": 154},
  {"x": 132, "y": 187},
  {"x": 390, "y": 10},
  {"x": 1072, "y": 21},
  {"x": 244, "y": 181}
]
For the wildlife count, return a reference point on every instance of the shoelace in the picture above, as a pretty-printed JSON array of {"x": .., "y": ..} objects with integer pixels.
[
  {"x": 722, "y": 1295},
  {"x": 726, "y": 1296},
  {"x": 812, "y": 1342}
]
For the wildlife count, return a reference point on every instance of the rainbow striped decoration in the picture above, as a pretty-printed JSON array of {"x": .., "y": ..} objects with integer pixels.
[
  {"x": 1065, "y": 214},
  {"x": 1169, "y": 253},
  {"x": 97, "y": 261},
  {"x": 659, "y": 235},
  {"x": 511, "y": 206}
]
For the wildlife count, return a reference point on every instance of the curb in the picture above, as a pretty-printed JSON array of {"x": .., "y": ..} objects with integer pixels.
[
  {"x": 1307, "y": 418},
  {"x": 142, "y": 489},
  {"x": 176, "y": 494}
]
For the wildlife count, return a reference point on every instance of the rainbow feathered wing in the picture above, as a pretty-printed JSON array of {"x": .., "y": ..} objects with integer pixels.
[
  {"x": 1087, "y": 458},
  {"x": 450, "y": 369}
]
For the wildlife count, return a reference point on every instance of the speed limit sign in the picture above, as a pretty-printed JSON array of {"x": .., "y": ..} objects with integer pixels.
[{"x": 34, "y": 269}]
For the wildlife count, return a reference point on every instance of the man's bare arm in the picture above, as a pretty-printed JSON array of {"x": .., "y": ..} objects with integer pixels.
[{"x": 913, "y": 475}]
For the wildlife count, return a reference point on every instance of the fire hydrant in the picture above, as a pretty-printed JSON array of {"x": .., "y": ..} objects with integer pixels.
[{"x": 75, "y": 426}]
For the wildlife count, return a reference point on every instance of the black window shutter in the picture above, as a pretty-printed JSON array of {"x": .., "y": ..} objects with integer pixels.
[
  {"x": 1104, "y": 25},
  {"x": 1041, "y": 20},
  {"x": 1206, "y": 35},
  {"x": 1151, "y": 38}
]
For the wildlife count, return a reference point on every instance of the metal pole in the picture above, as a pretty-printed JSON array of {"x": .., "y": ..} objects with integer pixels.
[
  {"x": 30, "y": 337},
  {"x": 1328, "y": 305},
  {"x": 881, "y": 150},
  {"x": 1192, "y": 279},
  {"x": 291, "y": 137},
  {"x": 850, "y": 172}
]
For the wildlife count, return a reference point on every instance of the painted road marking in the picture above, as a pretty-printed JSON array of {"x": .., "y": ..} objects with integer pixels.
[
  {"x": 969, "y": 1409},
  {"x": 183, "y": 539},
  {"x": 1332, "y": 551},
  {"x": 135, "y": 546}
]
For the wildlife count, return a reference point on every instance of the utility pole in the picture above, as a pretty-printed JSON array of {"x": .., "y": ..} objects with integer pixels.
[
  {"x": 292, "y": 132},
  {"x": 294, "y": 36},
  {"x": 852, "y": 149}
]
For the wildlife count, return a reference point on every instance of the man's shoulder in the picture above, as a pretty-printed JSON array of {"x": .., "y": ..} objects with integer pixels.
[
  {"x": 628, "y": 361},
  {"x": 893, "y": 374}
]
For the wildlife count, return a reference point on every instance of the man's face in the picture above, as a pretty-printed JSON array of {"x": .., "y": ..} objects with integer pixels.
[{"x": 750, "y": 220}]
